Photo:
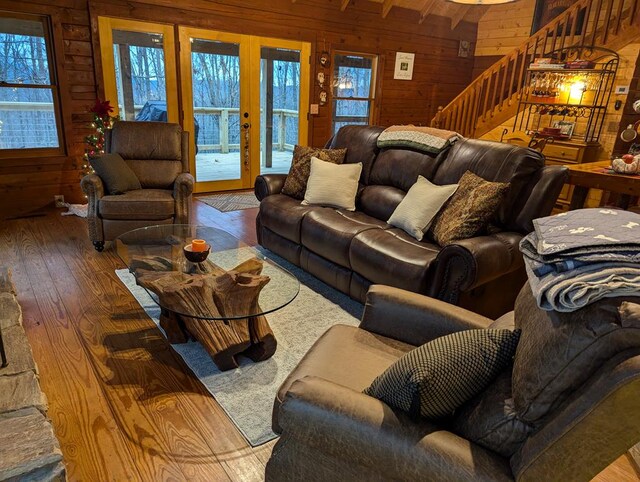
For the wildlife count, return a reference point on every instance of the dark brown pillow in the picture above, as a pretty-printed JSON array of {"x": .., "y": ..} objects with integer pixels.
[
  {"x": 296, "y": 183},
  {"x": 469, "y": 210},
  {"x": 116, "y": 175}
]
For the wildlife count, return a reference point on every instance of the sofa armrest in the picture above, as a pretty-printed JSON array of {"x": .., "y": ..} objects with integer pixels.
[
  {"x": 268, "y": 184},
  {"x": 414, "y": 318},
  {"x": 361, "y": 430},
  {"x": 182, "y": 190},
  {"x": 93, "y": 187},
  {"x": 468, "y": 263}
]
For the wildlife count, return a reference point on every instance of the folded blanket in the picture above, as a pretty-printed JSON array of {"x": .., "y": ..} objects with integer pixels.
[
  {"x": 425, "y": 139},
  {"x": 542, "y": 264},
  {"x": 587, "y": 228},
  {"x": 572, "y": 290}
]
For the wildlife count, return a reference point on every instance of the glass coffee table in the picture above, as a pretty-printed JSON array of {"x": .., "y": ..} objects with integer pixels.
[{"x": 221, "y": 301}]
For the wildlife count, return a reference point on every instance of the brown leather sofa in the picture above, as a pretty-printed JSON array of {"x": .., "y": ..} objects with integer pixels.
[
  {"x": 331, "y": 431},
  {"x": 158, "y": 153},
  {"x": 352, "y": 250}
]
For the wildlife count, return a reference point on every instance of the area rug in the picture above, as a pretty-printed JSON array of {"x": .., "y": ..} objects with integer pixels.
[
  {"x": 232, "y": 201},
  {"x": 247, "y": 393}
]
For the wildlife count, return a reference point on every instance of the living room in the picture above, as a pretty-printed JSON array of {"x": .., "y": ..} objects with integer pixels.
[{"x": 190, "y": 289}]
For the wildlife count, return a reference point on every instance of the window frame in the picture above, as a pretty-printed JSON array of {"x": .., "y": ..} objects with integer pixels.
[
  {"x": 371, "y": 99},
  {"x": 53, "y": 87}
]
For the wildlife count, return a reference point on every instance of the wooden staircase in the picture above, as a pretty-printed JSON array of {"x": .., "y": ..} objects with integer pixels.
[{"x": 492, "y": 98}]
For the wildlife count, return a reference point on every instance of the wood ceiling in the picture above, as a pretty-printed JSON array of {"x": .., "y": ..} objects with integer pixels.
[{"x": 423, "y": 8}]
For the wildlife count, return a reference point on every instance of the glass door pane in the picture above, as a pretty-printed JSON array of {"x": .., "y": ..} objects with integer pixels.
[
  {"x": 140, "y": 75},
  {"x": 139, "y": 69},
  {"x": 279, "y": 107},
  {"x": 215, "y": 68}
]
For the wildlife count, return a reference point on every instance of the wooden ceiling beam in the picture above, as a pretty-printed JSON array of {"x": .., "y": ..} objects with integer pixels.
[
  {"x": 459, "y": 14},
  {"x": 344, "y": 5},
  {"x": 426, "y": 9},
  {"x": 386, "y": 7}
]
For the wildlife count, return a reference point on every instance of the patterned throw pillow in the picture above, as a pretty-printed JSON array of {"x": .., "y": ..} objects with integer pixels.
[
  {"x": 469, "y": 210},
  {"x": 296, "y": 183},
  {"x": 438, "y": 377}
]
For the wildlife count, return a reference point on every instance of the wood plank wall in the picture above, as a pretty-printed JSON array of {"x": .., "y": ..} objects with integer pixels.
[{"x": 439, "y": 75}]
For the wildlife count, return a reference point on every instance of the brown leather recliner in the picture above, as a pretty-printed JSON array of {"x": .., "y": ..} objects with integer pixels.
[
  {"x": 331, "y": 431},
  {"x": 352, "y": 250},
  {"x": 158, "y": 153}
]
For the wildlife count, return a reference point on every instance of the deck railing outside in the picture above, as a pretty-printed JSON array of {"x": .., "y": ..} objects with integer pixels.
[{"x": 32, "y": 124}]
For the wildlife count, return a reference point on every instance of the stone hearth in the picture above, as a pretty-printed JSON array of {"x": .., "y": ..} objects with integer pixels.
[{"x": 29, "y": 449}]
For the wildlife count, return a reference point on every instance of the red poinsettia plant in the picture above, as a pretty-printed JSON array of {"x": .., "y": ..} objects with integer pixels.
[
  {"x": 102, "y": 120},
  {"x": 102, "y": 108}
]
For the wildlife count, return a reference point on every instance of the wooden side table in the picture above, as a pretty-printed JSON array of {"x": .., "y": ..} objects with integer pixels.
[{"x": 593, "y": 176}]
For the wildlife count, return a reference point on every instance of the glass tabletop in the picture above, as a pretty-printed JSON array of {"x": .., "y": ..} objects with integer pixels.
[{"x": 235, "y": 281}]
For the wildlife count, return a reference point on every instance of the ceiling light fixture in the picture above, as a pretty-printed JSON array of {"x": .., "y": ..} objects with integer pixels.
[{"x": 481, "y": 2}]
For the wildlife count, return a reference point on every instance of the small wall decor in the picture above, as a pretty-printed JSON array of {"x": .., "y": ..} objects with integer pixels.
[
  {"x": 320, "y": 77},
  {"x": 464, "y": 48},
  {"x": 404, "y": 66},
  {"x": 325, "y": 59},
  {"x": 322, "y": 97}
]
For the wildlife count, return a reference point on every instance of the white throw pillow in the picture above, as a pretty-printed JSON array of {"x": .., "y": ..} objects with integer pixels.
[
  {"x": 334, "y": 185},
  {"x": 421, "y": 204}
]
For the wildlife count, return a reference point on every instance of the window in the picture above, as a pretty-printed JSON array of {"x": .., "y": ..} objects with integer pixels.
[
  {"x": 29, "y": 112},
  {"x": 353, "y": 89}
]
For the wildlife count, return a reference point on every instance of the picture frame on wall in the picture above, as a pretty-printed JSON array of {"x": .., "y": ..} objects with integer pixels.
[
  {"x": 546, "y": 10},
  {"x": 404, "y": 66}
]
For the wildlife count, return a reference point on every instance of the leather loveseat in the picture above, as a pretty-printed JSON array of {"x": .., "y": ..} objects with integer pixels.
[{"x": 352, "y": 250}]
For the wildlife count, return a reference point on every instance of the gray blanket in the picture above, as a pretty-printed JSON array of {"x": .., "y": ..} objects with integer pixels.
[
  {"x": 587, "y": 228},
  {"x": 541, "y": 264},
  {"x": 574, "y": 289}
]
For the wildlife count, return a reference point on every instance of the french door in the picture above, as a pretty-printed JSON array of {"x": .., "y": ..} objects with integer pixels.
[{"x": 245, "y": 101}]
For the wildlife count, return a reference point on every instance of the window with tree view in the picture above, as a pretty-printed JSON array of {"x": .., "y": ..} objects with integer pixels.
[
  {"x": 28, "y": 91},
  {"x": 353, "y": 89}
]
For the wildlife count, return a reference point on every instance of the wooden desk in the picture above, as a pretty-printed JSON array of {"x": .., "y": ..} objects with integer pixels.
[{"x": 591, "y": 176}]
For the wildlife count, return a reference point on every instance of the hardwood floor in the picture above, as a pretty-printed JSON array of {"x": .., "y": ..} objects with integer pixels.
[{"x": 123, "y": 404}]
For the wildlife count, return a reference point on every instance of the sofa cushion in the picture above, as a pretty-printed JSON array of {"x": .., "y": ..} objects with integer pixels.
[
  {"x": 283, "y": 215},
  {"x": 116, "y": 175},
  {"x": 494, "y": 161},
  {"x": 469, "y": 210},
  {"x": 420, "y": 206},
  {"x": 558, "y": 352},
  {"x": 147, "y": 140},
  {"x": 295, "y": 184},
  {"x": 143, "y": 204},
  {"x": 345, "y": 355},
  {"x": 333, "y": 184},
  {"x": 329, "y": 232},
  {"x": 436, "y": 378},
  {"x": 380, "y": 201},
  {"x": 361, "y": 145},
  {"x": 155, "y": 174},
  {"x": 392, "y": 257},
  {"x": 401, "y": 167},
  {"x": 490, "y": 419}
]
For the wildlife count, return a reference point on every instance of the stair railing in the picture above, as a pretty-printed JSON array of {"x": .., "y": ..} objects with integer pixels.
[{"x": 496, "y": 90}]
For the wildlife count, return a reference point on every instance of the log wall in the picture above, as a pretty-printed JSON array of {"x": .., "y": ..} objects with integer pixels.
[{"x": 439, "y": 75}]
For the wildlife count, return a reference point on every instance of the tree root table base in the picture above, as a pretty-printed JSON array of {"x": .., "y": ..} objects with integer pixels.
[{"x": 218, "y": 299}]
